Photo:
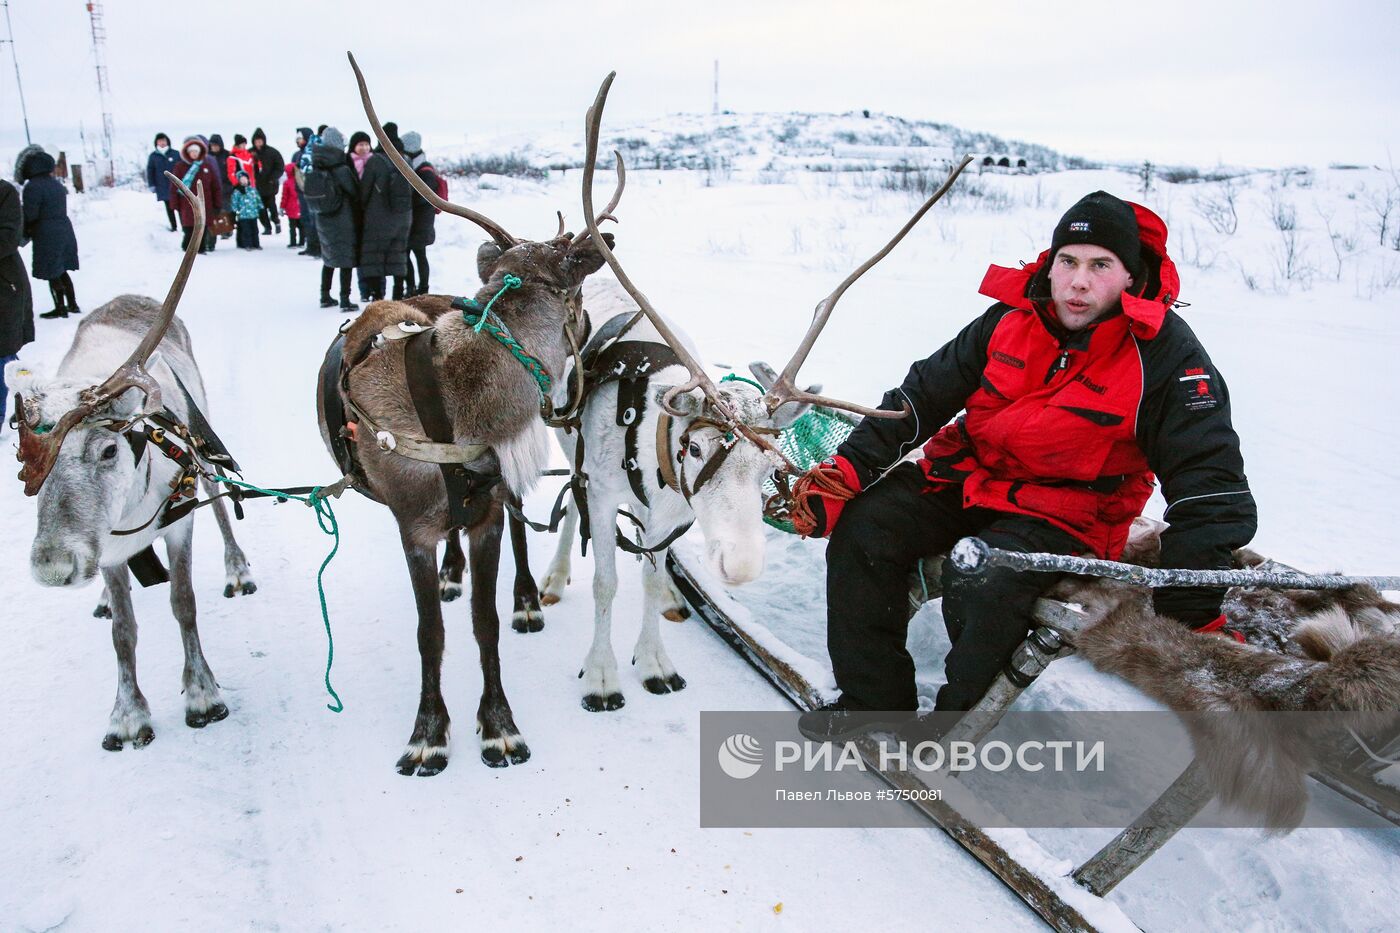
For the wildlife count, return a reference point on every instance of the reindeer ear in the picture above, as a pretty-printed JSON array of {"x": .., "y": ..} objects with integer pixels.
[
  {"x": 692, "y": 403},
  {"x": 20, "y": 378},
  {"x": 154, "y": 361},
  {"x": 487, "y": 255},
  {"x": 585, "y": 259}
]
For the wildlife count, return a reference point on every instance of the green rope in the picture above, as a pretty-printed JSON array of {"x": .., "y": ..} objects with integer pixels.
[
  {"x": 494, "y": 326},
  {"x": 508, "y": 282},
  {"x": 325, "y": 518},
  {"x": 735, "y": 377}
]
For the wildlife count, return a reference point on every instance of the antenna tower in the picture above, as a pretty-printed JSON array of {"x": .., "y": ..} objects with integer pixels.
[
  {"x": 10, "y": 38},
  {"x": 99, "y": 42},
  {"x": 716, "y": 103}
]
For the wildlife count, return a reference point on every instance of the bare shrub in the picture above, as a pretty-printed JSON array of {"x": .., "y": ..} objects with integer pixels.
[
  {"x": 1343, "y": 244},
  {"x": 1289, "y": 254},
  {"x": 512, "y": 164},
  {"x": 1218, "y": 208}
]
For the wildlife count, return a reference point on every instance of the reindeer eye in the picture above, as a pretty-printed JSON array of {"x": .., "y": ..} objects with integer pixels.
[
  {"x": 109, "y": 452},
  {"x": 694, "y": 449}
]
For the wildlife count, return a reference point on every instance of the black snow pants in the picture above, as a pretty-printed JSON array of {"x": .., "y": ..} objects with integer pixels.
[{"x": 881, "y": 535}]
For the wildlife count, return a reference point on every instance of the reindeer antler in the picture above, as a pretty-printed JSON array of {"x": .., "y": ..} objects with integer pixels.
[
  {"x": 498, "y": 233},
  {"x": 785, "y": 389},
  {"x": 698, "y": 378},
  {"x": 38, "y": 452},
  {"x": 616, "y": 198}
]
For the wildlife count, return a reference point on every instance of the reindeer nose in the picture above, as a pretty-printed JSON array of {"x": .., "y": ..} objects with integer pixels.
[
  {"x": 54, "y": 565},
  {"x": 737, "y": 564}
]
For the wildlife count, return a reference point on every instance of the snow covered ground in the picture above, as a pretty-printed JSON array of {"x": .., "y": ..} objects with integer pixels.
[{"x": 287, "y": 816}]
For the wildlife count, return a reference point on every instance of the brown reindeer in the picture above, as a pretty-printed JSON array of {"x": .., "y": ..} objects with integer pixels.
[{"x": 491, "y": 406}]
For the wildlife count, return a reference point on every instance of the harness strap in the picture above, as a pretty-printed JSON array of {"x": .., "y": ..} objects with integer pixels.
[{"x": 665, "y": 456}]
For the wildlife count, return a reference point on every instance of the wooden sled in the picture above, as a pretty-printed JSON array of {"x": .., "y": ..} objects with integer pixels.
[{"x": 1064, "y": 903}]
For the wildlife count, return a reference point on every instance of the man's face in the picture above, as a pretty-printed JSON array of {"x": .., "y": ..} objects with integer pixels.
[{"x": 1085, "y": 282}]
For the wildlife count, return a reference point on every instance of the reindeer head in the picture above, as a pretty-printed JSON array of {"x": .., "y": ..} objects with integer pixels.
[
  {"x": 91, "y": 479},
  {"x": 721, "y": 474},
  {"x": 73, "y": 435}
]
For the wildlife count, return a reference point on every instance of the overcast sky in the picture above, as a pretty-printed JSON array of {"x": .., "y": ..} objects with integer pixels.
[{"x": 1193, "y": 82}]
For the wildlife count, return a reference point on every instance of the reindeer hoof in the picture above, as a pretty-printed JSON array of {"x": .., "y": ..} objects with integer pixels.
[
  {"x": 549, "y": 599},
  {"x": 424, "y": 761},
  {"x": 527, "y": 620},
  {"x": 113, "y": 742},
  {"x": 449, "y": 591},
  {"x": 198, "y": 720},
  {"x": 501, "y": 753},
  {"x": 677, "y": 614},
  {"x": 660, "y": 685},
  {"x": 245, "y": 588},
  {"x": 103, "y": 611},
  {"x": 598, "y": 703}
]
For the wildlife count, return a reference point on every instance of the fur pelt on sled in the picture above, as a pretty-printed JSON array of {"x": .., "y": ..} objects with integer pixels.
[{"x": 1305, "y": 650}]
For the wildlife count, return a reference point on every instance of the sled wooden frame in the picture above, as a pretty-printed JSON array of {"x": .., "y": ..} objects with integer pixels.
[{"x": 1059, "y": 624}]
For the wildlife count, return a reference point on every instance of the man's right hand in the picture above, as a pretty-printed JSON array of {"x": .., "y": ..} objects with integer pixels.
[{"x": 820, "y": 494}]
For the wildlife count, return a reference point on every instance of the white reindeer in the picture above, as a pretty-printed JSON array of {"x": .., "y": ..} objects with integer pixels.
[
  {"x": 90, "y": 482},
  {"x": 699, "y": 452}
]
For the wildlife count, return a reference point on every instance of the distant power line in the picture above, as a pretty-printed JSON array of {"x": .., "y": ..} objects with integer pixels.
[{"x": 10, "y": 38}]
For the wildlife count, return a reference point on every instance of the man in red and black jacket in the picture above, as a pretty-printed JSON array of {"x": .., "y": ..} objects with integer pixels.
[{"x": 1076, "y": 388}]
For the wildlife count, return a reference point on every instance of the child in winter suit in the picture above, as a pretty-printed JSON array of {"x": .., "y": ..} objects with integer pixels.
[
  {"x": 246, "y": 207},
  {"x": 291, "y": 206}
]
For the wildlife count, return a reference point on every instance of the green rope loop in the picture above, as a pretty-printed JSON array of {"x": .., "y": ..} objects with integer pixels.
[
  {"x": 493, "y": 325},
  {"x": 735, "y": 377},
  {"x": 325, "y": 518},
  {"x": 508, "y": 282}
]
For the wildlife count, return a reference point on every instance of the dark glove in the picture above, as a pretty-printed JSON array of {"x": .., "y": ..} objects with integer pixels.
[{"x": 820, "y": 494}]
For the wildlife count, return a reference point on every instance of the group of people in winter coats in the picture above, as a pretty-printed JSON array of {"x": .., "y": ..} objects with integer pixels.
[{"x": 347, "y": 206}]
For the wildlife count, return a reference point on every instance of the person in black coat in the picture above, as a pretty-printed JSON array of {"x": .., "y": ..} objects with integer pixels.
[
  {"x": 217, "y": 156},
  {"x": 339, "y": 225},
  {"x": 386, "y": 200},
  {"x": 267, "y": 169},
  {"x": 16, "y": 300},
  {"x": 159, "y": 162},
  {"x": 46, "y": 223},
  {"x": 422, "y": 232}
]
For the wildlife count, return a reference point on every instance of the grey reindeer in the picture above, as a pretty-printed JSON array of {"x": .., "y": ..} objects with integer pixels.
[
  {"x": 491, "y": 407},
  {"x": 98, "y": 474}
]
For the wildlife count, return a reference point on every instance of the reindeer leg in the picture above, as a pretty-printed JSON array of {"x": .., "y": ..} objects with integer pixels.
[
  {"x": 558, "y": 575},
  {"x": 454, "y": 564},
  {"x": 426, "y": 753},
  {"x": 203, "y": 703},
  {"x": 649, "y": 656},
  {"x": 527, "y": 616},
  {"x": 131, "y": 716},
  {"x": 673, "y": 605},
  {"x": 501, "y": 742},
  {"x": 103, "y": 609},
  {"x": 601, "y": 688},
  {"x": 239, "y": 578}
]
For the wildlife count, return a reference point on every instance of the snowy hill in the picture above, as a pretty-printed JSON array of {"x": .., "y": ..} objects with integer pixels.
[{"x": 819, "y": 142}]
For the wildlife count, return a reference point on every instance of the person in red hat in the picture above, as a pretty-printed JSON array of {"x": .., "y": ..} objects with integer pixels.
[{"x": 1043, "y": 424}]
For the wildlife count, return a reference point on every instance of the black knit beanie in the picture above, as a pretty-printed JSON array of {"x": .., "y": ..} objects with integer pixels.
[
  {"x": 1100, "y": 219},
  {"x": 357, "y": 137}
]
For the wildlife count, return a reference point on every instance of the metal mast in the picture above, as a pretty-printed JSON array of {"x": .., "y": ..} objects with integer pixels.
[
  {"x": 10, "y": 38},
  {"x": 99, "y": 42},
  {"x": 716, "y": 101}
]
